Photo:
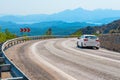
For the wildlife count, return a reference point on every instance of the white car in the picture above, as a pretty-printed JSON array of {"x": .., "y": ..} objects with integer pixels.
[{"x": 88, "y": 41}]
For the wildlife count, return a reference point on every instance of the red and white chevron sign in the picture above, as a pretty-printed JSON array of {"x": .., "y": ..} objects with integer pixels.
[{"x": 24, "y": 29}]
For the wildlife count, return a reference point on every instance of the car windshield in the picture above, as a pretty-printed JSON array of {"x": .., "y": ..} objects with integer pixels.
[{"x": 91, "y": 37}]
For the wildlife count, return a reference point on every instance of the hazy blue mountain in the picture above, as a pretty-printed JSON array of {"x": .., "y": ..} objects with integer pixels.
[
  {"x": 107, "y": 20},
  {"x": 76, "y": 15},
  {"x": 58, "y": 27}
]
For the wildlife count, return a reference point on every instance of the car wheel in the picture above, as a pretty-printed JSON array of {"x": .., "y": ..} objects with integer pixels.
[
  {"x": 97, "y": 47},
  {"x": 78, "y": 45},
  {"x": 94, "y": 47}
]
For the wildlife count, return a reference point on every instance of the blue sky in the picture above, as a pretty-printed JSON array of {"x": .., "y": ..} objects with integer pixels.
[{"x": 25, "y": 7}]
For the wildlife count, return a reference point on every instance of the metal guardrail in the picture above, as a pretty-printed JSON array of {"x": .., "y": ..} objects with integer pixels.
[
  {"x": 8, "y": 66},
  {"x": 16, "y": 73}
]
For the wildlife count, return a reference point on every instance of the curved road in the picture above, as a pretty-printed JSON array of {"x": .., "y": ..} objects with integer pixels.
[{"x": 60, "y": 59}]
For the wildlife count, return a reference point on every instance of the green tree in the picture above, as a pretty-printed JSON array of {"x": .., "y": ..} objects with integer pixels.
[
  {"x": 9, "y": 35},
  {"x": 49, "y": 32},
  {"x": 2, "y": 37},
  {"x": 77, "y": 33},
  {"x": 6, "y": 35}
]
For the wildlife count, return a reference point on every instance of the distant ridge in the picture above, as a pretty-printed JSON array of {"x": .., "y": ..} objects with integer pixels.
[
  {"x": 58, "y": 27},
  {"x": 77, "y": 15}
]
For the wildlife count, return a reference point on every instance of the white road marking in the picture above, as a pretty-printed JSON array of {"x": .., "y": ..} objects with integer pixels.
[
  {"x": 66, "y": 76},
  {"x": 92, "y": 55}
]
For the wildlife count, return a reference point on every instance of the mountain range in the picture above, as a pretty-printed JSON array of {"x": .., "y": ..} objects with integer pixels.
[
  {"x": 77, "y": 15},
  {"x": 58, "y": 27},
  {"x": 62, "y": 23}
]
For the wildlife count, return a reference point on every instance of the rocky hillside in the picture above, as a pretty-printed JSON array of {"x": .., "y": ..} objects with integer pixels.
[
  {"x": 110, "y": 41},
  {"x": 108, "y": 28}
]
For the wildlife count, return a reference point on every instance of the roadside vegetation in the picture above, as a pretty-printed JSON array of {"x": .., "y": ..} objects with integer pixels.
[
  {"x": 49, "y": 32},
  {"x": 87, "y": 30},
  {"x": 6, "y": 35},
  {"x": 77, "y": 33}
]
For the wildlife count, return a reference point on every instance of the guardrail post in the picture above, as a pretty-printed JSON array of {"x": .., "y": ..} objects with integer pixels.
[
  {"x": 6, "y": 46},
  {"x": 14, "y": 43},
  {"x": 0, "y": 73},
  {"x": 2, "y": 60},
  {"x": 10, "y": 44},
  {"x": 17, "y": 41},
  {"x": 5, "y": 67}
]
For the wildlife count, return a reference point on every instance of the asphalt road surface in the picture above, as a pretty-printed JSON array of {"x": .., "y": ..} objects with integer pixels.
[{"x": 60, "y": 59}]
